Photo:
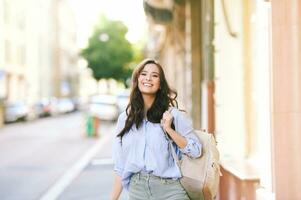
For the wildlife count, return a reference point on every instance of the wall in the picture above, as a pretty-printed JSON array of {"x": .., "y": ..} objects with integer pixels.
[
  {"x": 286, "y": 98},
  {"x": 229, "y": 73}
]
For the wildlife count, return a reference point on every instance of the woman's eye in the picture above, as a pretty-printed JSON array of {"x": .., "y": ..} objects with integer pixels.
[
  {"x": 143, "y": 74},
  {"x": 156, "y": 76}
]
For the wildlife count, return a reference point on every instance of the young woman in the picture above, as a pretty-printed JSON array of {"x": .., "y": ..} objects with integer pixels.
[{"x": 143, "y": 161}]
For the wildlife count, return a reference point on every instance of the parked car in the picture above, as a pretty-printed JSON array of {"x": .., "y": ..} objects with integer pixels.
[
  {"x": 17, "y": 111},
  {"x": 42, "y": 108},
  {"x": 123, "y": 99},
  {"x": 103, "y": 107},
  {"x": 77, "y": 102},
  {"x": 65, "y": 105}
]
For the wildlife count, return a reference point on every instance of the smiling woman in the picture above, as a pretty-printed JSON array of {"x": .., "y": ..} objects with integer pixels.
[{"x": 143, "y": 162}]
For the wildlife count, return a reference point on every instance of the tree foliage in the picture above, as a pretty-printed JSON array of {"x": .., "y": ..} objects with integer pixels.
[{"x": 108, "y": 52}]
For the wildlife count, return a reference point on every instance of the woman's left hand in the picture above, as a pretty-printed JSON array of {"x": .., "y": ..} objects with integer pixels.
[{"x": 166, "y": 120}]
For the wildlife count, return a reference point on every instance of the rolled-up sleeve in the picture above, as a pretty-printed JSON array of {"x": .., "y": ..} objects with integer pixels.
[
  {"x": 117, "y": 148},
  {"x": 183, "y": 125}
]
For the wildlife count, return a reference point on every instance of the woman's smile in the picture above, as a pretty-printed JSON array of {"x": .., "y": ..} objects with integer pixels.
[
  {"x": 149, "y": 79},
  {"x": 147, "y": 84}
]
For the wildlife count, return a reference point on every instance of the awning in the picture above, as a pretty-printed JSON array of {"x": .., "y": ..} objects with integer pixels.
[{"x": 161, "y": 11}]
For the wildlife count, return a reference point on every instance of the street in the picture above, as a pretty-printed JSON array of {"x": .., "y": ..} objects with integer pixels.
[{"x": 52, "y": 158}]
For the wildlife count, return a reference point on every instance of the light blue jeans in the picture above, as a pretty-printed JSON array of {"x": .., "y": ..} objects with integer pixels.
[{"x": 149, "y": 187}]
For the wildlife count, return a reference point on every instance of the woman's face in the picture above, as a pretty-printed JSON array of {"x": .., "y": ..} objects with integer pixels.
[{"x": 149, "y": 79}]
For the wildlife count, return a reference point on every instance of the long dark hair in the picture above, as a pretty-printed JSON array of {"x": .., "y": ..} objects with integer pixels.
[{"x": 165, "y": 97}]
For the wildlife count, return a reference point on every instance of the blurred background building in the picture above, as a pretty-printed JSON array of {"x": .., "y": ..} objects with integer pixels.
[
  {"x": 39, "y": 57},
  {"x": 38, "y": 51},
  {"x": 236, "y": 66}
]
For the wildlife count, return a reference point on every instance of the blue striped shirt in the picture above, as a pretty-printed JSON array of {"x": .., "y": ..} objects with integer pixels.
[{"x": 146, "y": 149}]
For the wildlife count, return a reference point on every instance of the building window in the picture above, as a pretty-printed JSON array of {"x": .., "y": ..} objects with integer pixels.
[
  {"x": 21, "y": 55},
  {"x": 7, "y": 51},
  {"x": 21, "y": 21},
  {"x": 6, "y": 11}
]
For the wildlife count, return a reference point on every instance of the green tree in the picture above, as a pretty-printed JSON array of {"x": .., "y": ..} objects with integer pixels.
[{"x": 108, "y": 52}]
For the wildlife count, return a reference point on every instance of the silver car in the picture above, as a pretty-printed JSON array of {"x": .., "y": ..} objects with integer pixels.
[
  {"x": 17, "y": 111},
  {"x": 103, "y": 107}
]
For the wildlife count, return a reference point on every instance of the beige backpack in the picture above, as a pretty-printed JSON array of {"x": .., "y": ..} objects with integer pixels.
[{"x": 200, "y": 176}]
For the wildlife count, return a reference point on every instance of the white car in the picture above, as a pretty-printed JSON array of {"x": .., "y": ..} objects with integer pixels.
[
  {"x": 123, "y": 99},
  {"x": 104, "y": 107},
  {"x": 16, "y": 111},
  {"x": 65, "y": 105}
]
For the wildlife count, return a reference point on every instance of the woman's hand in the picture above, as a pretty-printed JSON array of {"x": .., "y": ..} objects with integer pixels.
[
  {"x": 117, "y": 188},
  {"x": 166, "y": 121}
]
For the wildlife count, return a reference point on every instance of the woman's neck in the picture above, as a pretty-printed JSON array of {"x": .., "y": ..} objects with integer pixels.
[{"x": 148, "y": 101}]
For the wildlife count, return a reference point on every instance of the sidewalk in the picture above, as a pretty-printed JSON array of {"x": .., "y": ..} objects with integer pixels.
[{"x": 95, "y": 181}]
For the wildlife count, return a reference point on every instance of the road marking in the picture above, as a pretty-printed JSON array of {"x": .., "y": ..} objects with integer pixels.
[
  {"x": 57, "y": 189},
  {"x": 102, "y": 161}
]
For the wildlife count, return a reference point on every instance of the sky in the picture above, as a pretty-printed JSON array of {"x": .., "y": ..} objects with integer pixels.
[{"x": 129, "y": 11}]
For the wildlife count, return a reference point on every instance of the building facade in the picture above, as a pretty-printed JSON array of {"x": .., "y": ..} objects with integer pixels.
[
  {"x": 39, "y": 49},
  {"x": 38, "y": 57},
  {"x": 238, "y": 72}
]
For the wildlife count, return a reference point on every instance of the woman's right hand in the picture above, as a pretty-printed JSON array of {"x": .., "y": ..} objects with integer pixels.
[
  {"x": 166, "y": 120},
  {"x": 117, "y": 188}
]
